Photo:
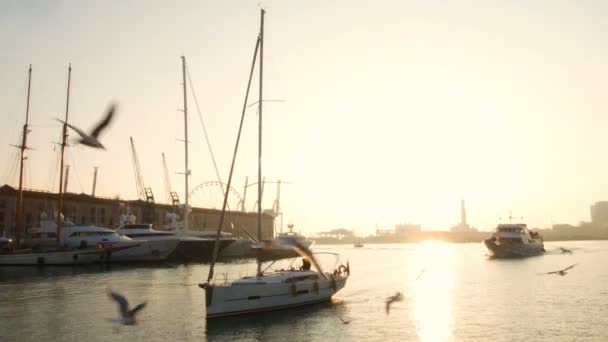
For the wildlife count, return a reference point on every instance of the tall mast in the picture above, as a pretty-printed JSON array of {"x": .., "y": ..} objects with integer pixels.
[
  {"x": 64, "y": 136},
  {"x": 260, "y": 102},
  {"x": 23, "y": 147},
  {"x": 186, "y": 170},
  {"x": 236, "y": 148}
]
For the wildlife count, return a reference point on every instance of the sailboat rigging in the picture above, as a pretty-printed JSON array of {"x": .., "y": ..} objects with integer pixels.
[
  {"x": 23, "y": 147},
  {"x": 57, "y": 256},
  {"x": 64, "y": 137},
  {"x": 275, "y": 290}
]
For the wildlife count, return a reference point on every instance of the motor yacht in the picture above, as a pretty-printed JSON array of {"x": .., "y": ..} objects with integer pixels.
[
  {"x": 514, "y": 240},
  {"x": 80, "y": 236},
  {"x": 195, "y": 246}
]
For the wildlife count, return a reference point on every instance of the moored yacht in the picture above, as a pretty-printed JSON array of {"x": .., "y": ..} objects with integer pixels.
[
  {"x": 76, "y": 236},
  {"x": 190, "y": 247},
  {"x": 514, "y": 240}
]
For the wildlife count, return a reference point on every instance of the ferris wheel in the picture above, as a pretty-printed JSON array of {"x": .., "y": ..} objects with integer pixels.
[{"x": 211, "y": 195}]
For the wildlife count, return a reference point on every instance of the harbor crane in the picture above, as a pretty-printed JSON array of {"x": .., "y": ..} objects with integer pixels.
[
  {"x": 171, "y": 194},
  {"x": 143, "y": 192}
]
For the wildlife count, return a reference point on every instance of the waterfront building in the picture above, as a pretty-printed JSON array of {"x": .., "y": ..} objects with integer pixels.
[
  {"x": 599, "y": 214},
  {"x": 106, "y": 212}
]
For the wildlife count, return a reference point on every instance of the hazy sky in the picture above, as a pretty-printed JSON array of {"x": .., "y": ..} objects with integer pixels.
[{"x": 393, "y": 112}]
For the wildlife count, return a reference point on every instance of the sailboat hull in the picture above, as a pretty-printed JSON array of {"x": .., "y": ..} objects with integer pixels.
[{"x": 231, "y": 300}]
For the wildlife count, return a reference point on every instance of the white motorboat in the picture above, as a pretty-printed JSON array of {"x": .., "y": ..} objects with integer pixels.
[
  {"x": 275, "y": 290},
  {"x": 250, "y": 248},
  {"x": 60, "y": 257},
  {"x": 514, "y": 240},
  {"x": 189, "y": 247},
  {"x": 75, "y": 236}
]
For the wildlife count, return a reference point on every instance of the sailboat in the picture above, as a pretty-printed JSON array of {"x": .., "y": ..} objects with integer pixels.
[
  {"x": 198, "y": 245},
  {"x": 59, "y": 255},
  {"x": 277, "y": 289}
]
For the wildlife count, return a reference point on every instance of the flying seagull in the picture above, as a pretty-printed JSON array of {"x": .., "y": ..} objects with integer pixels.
[
  {"x": 421, "y": 273},
  {"x": 565, "y": 250},
  {"x": 91, "y": 140},
  {"x": 343, "y": 321},
  {"x": 397, "y": 297},
  {"x": 127, "y": 316},
  {"x": 562, "y": 272}
]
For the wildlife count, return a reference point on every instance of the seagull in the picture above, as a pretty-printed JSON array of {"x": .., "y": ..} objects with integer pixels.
[
  {"x": 565, "y": 250},
  {"x": 91, "y": 140},
  {"x": 421, "y": 273},
  {"x": 397, "y": 297},
  {"x": 127, "y": 316},
  {"x": 343, "y": 321},
  {"x": 562, "y": 272}
]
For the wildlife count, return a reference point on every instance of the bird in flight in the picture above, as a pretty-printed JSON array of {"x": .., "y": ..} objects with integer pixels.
[
  {"x": 397, "y": 297},
  {"x": 127, "y": 316},
  {"x": 343, "y": 321},
  {"x": 92, "y": 140},
  {"x": 421, "y": 273},
  {"x": 565, "y": 250},
  {"x": 562, "y": 272}
]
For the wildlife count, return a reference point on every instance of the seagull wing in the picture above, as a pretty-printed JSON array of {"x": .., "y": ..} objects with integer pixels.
[
  {"x": 569, "y": 267},
  {"x": 134, "y": 311},
  {"x": 554, "y": 272},
  {"x": 305, "y": 252},
  {"x": 76, "y": 129},
  {"x": 123, "y": 304},
  {"x": 105, "y": 122}
]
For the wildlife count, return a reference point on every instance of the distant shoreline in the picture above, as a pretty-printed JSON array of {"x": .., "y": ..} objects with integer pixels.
[{"x": 465, "y": 237}]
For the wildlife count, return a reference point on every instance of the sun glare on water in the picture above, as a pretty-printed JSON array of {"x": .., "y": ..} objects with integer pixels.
[{"x": 432, "y": 290}]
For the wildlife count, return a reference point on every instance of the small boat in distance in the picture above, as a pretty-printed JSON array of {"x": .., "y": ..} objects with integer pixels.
[
  {"x": 514, "y": 240},
  {"x": 358, "y": 244}
]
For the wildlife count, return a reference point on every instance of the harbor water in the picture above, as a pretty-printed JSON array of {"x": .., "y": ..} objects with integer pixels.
[{"x": 451, "y": 292}]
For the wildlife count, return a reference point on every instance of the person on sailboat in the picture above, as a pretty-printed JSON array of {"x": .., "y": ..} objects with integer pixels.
[{"x": 305, "y": 265}]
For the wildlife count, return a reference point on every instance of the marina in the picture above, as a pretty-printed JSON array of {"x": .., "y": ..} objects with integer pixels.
[{"x": 290, "y": 171}]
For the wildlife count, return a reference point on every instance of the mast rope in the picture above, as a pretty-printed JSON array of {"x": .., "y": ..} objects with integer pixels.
[
  {"x": 236, "y": 148},
  {"x": 206, "y": 135},
  {"x": 74, "y": 170}
]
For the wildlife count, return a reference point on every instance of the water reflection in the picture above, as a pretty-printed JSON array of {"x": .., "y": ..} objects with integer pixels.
[
  {"x": 266, "y": 326},
  {"x": 432, "y": 290}
]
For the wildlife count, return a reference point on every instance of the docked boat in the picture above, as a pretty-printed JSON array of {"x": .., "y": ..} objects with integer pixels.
[
  {"x": 251, "y": 248},
  {"x": 189, "y": 247},
  {"x": 28, "y": 257},
  {"x": 279, "y": 289},
  {"x": 11, "y": 251},
  {"x": 126, "y": 249},
  {"x": 514, "y": 240}
]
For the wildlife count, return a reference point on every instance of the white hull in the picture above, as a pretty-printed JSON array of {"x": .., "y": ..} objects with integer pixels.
[
  {"x": 74, "y": 257},
  {"x": 233, "y": 299},
  {"x": 146, "y": 250}
]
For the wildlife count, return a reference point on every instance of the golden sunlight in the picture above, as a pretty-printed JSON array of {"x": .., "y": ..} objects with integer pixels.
[{"x": 432, "y": 290}]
